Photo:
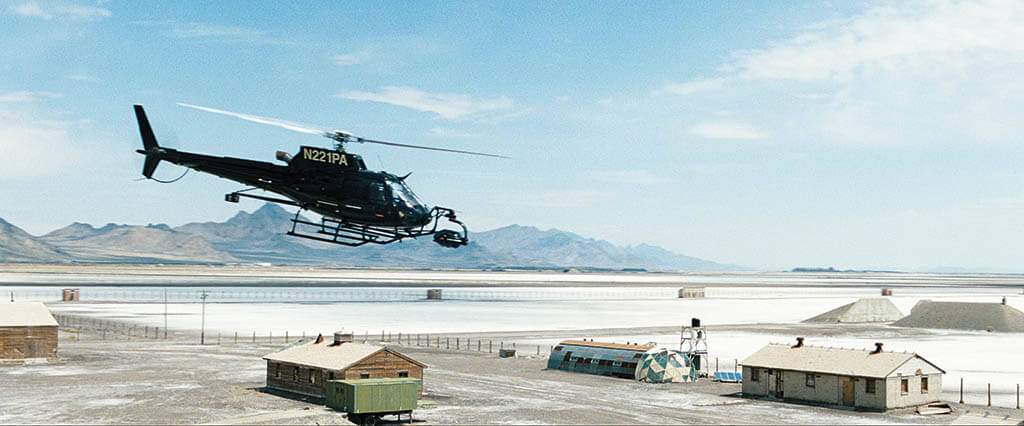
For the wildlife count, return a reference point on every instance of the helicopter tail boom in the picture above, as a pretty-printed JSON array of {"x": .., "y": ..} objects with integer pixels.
[{"x": 152, "y": 149}]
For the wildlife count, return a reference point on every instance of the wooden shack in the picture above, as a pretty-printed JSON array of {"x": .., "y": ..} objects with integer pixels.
[
  {"x": 28, "y": 332},
  {"x": 305, "y": 368},
  {"x": 691, "y": 292}
]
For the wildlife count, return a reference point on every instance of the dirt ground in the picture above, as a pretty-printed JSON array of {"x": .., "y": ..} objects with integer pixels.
[{"x": 135, "y": 380}]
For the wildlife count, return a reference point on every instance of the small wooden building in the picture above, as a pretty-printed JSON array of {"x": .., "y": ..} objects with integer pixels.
[
  {"x": 304, "y": 368},
  {"x": 863, "y": 379},
  {"x": 27, "y": 332}
]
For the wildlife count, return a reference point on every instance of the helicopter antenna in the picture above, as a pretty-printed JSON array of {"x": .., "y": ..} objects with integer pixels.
[{"x": 340, "y": 137}]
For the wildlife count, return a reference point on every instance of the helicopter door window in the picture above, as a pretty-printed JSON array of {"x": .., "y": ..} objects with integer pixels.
[{"x": 377, "y": 195}]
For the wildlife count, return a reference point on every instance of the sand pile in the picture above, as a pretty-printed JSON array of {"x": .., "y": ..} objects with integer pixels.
[
  {"x": 864, "y": 310},
  {"x": 964, "y": 316}
]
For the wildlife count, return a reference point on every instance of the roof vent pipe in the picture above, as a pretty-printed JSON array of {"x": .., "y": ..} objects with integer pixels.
[
  {"x": 799, "y": 342},
  {"x": 878, "y": 348}
]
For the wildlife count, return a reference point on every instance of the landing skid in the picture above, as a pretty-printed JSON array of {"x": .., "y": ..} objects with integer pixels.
[
  {"x": 347, "y": 233},
  {"x": 350, "y": 234}
]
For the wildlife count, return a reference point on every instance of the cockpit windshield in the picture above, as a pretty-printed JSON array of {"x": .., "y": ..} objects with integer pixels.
[{"x": 403, "y": 194}]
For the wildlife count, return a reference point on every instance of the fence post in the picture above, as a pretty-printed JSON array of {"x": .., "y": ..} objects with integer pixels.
[
  {"x": 458, "y": 343},
  {"x": 716, "y": 363},
  {"x": 538, "y": 350},
  {"x": 489, "y": 346},
  {"x": 286, "y": 336},
  {"x": 735, "y": 364},
  {"x": 961, "y": 390},
  {"x": 1018, "y": 396},
  {"x": 382, "y": 335},
  {"x": 399, "y": 337},
  {"x": 989, "y": 394},
  {"x": 447, "y": 343},
  {"x": 478, "y": 345},
  {"x": 236, "y": 337},
  {"x": 254, "y": 336},
  {"x": 218, "y": 338},
  {"x": 270, "y": 337}
]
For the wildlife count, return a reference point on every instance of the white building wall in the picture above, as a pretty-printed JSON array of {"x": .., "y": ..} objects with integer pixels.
[
  {"x": 895, "y": 398},
  {"x": 758, "y": 388}
]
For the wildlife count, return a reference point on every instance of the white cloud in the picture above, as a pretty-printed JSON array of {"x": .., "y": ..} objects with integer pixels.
[
  {"x": 345, "y": 60},
  {"x": 202, "y": 30},
  {"x": 33, "y": 9},
  {"x": 26, "y": 96},
  {"x": 33, "y": 148},
  {"x": 447, "y": 105},
  {"x": 630, "y": 177},
  {"x": 726, "y": 130},
  {"x": 917, "y": 35},
  {"x": 452, "y": 133},
  {"x": 694, "y": 86}
]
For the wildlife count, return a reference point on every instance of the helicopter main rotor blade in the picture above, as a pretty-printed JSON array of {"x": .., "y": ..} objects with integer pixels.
[
  {"x": 264, "y": 120},
  {"x": 340, "y": 136},
  {"x": 402, "y": 145}
]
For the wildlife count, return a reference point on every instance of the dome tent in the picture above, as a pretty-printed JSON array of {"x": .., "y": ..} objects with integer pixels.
[{"x": 663, "y": 365}]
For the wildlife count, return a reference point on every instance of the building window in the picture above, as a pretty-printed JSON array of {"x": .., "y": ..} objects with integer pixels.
[
  {"x": 364, "y": 375},
  {"x": 869, "y": 385},
  {"x": 312, "y": 377},
  {"x": 904, "y": 386},
  {"x": 755, "y": 374},
  {"x": 277, "y": 371},
  {"x": 924, "y": 385},
  {"x": 810, "y": 380},
  {"x": 403, "y": 374},
  {"x": 295, "y": 373}
]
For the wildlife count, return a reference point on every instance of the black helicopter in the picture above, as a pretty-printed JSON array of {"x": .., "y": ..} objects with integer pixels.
[{"x": 357, "y": 206}]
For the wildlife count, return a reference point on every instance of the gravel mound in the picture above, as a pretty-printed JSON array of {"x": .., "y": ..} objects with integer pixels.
[
  {"x": 964, "y": 316},
  {"x": 864, "y": 310}
]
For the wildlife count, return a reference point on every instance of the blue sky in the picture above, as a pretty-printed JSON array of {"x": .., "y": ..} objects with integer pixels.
[{"x": 847, "y": 134}]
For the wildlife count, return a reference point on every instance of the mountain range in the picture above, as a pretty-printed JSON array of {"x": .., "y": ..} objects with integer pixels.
[{"x": 258, "y": 237}]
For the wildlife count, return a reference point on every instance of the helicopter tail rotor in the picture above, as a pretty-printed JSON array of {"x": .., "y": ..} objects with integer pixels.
[{"x": 152, "y": 149}]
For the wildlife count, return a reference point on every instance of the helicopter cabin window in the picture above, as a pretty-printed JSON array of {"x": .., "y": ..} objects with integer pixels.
[
  {"x": 352, "y": 190},
  {"x": 377, "y": 194}
]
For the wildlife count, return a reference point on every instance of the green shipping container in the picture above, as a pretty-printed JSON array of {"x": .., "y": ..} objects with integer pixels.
[{"x": 368, "y": 396}]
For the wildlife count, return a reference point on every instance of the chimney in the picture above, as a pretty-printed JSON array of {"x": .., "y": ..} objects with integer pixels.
[
  {"x": 342, "y": 336},
  {"x": 799, "y": 342},
  {"x": 319, "y": 339},
  {"x": 878, "y": 348}
]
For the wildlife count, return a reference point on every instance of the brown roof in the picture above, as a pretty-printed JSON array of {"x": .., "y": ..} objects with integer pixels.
[
  {"x": 323, "y": 355},
  {"x": 638, "y": 348}
]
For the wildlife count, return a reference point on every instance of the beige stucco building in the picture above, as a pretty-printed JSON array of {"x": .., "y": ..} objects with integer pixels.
[{"x": 864, "y": 379}]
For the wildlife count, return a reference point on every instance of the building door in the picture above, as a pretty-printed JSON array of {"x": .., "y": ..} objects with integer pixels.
[
  {"x": 779, "y": 385},
  {"x": 848, "y": 399}
]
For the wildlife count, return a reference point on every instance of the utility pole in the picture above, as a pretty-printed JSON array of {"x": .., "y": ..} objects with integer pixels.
[{"x": 202, "y": 332}]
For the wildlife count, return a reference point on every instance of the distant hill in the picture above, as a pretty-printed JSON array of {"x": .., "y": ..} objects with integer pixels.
[
  {"x": 16, "y": 245},
  {"x": 134, "y": 244},
  {"x": 258, "y": 237}
]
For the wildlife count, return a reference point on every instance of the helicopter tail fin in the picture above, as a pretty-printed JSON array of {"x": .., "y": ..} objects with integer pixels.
[{"x": 148, "y": 142}]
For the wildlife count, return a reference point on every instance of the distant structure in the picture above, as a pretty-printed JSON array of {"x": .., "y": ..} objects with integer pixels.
[
  {"x": 886, "y": 291},
  {"x": 434, "y": 294},
  {"x": 70, "y": 295},
  {"x": 691, "y": 292},
  {"x": 862, "y": 311},
  {"x": 603, "y": 359},
  {"x": 28, "y": 333},
  {"x": 305, "y": 367},
  {"x": 964, "y": 316},
  {"x": 864, "y": 379}
]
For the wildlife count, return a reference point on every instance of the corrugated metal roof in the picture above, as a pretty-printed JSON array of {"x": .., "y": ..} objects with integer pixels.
[
  {"x": 838, "y": 361},
  {"x": 323, "y": 355},
  {"x": 25, "y": 314},
  {"x": 638, "y": 348}
]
